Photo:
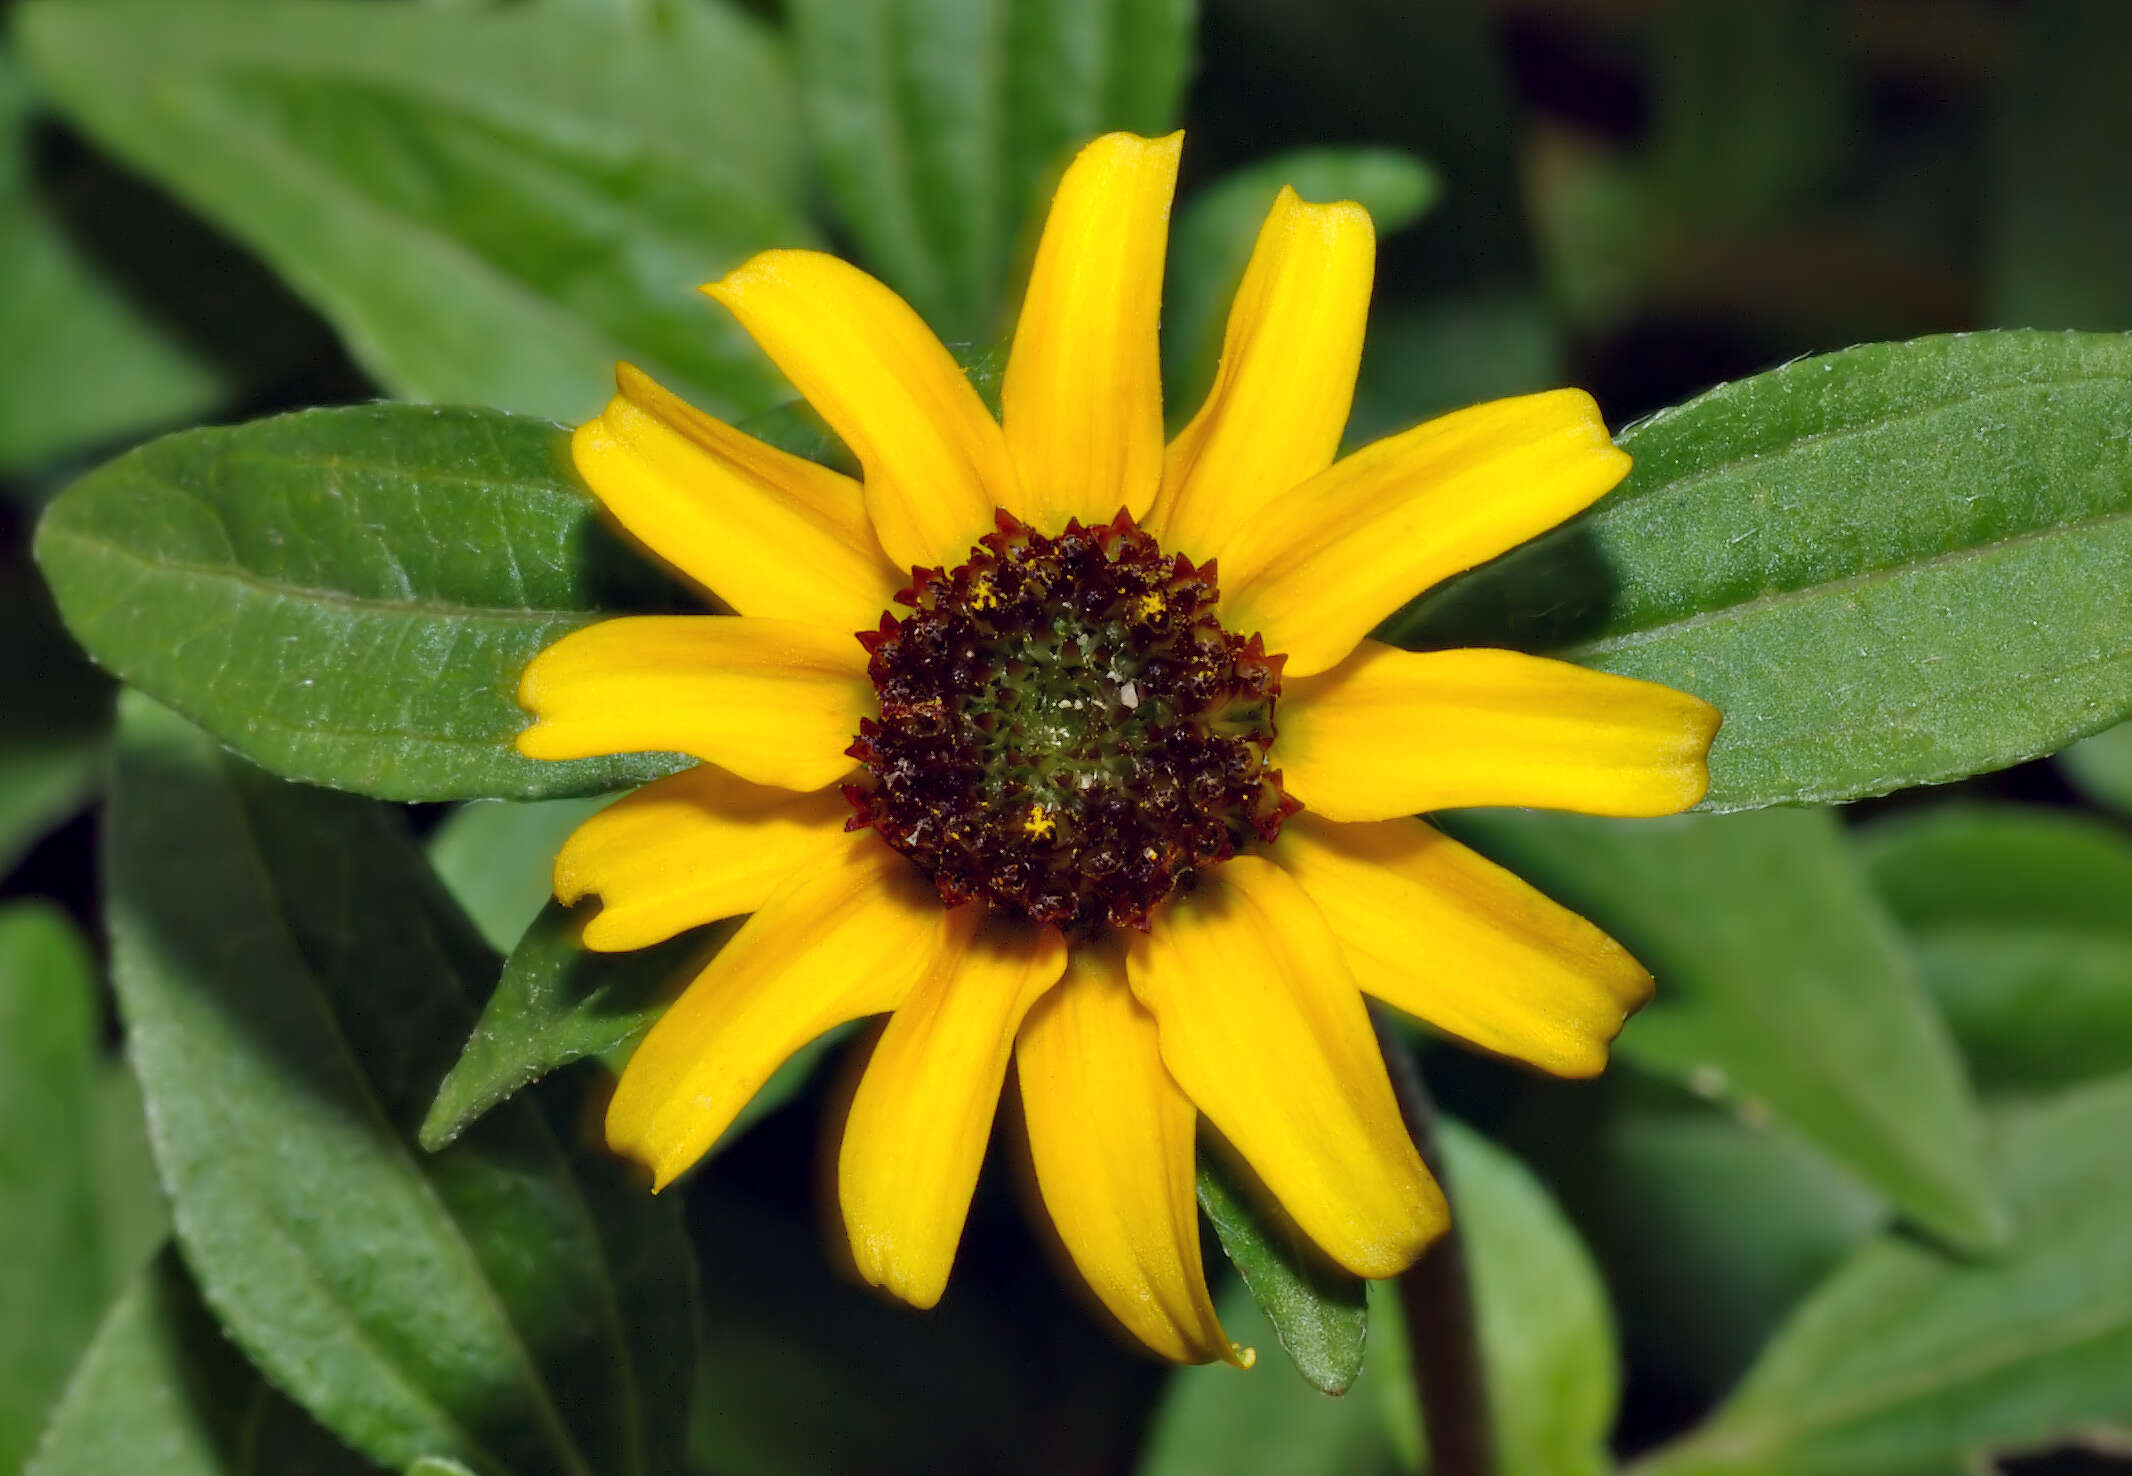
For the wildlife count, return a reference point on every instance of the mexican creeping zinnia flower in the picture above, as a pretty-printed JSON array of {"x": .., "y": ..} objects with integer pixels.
[{"x": 1111, "y": 781}]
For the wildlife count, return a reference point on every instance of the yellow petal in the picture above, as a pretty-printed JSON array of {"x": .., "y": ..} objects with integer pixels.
[
  {"x": 936, "y": 464},
  {"x": 918, "y": 1124},
  {"x": 770, "y": 534},
  {"x": 1325, "y": 562},
  {"x": 1451, "y": 938},
  {"x": 1111, "y": 1136},
  {"x": 845, "y": 938},
  {"x": 775, "y": 701},
  {"x": 1082, "y": 400},
  {"x": 1287, "y": 375},
  {"x": 690, "y": 849},
  {"x": 1263, "y": 1027},
  {"x": 1391, "y": 732}
]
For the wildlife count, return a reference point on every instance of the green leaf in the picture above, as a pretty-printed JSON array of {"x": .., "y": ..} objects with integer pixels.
[
  {"x": 1218, "y": 226},
  {"x": 293, "y": 981},
  {"x": 2102, "y": 767},
  {"x": 161, "y": 1391},
  {"x": 1692, "y": 1207},
  {"x": 1220, "y": 1421},
  {"x": 556, "y": 1003},
  {"x": 54, "y": 715},
  {"x": 1908, "y": 1361},
  {"x": 497, "y": 859},
  {"x": 1895, "y": 565},
  {"x": 1315, "y": 1308},
  {"x": 52, "y": 1286},
  {"x": 1547, "y": 1344},
  {"x": 1782, "y": 986},
  {"x": 2021, "y": 919},
  {"x": 67, "y": 325},
  {"x": 2058, "y": 244},
  {"x": 490, "y": 207},
  {"x": 942, "y": 124},
  {"x": 559, "y": 1002},
  {"x": 347, "y": 596},
  {"x": 1547, "y": 1334},
  {"x": 134, "y": 1218}
]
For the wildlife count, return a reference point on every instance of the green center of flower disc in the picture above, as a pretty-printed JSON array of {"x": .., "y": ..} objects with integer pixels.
[{"x": 1066, "y": 732}]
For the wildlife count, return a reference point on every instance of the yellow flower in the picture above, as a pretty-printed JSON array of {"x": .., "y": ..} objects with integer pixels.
[{"x": 1139, "y": 820}]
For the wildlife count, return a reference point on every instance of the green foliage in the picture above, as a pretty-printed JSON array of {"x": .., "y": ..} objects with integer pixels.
[
  {"x": 941, "y": 123},
  {"x": 2021, "y": 919},
  {"x": 66, "y": 324},
  {"x": 293, "y": 981},
  {"x": 1691, "y": 1207},
  {"x": 1803, "y": 1006},
  {"x": 393, "y": 1234},
  {"x": 347, "y": 596},
  {"x": 1911, "y": 1361},
  {"x": 1263, "y": 1423},
  {"x": 52, "y": 1270},
  {"x": 1792, "y": 548},
  {"x": 1314, "y": 1308},
  {"x": 557, "y": 1002},
  {"x": 161, "y": 1390},
  {"x": 1547, "y": 1344},
  {"x": 498, "y": 860},
  {"x": 491, "y": 208}
]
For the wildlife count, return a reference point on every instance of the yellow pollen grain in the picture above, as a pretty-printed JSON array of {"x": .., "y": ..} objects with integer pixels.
[
  {"x": 1038, "y": 822},
  {"x": 1151, "y": 606},
  {"x": 982, "y": 595}
]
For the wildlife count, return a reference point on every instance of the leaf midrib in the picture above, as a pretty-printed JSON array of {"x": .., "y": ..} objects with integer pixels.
[
  {"x": 1866, "y": 578},
  {"x": 531, "y": 1376},
  {"x": 260, "y": 585}
]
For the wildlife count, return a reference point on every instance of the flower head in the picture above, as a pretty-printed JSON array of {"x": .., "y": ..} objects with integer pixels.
[{"x": 1060, "y": 744}]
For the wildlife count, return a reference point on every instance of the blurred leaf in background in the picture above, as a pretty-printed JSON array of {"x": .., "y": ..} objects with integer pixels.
[
  {"x": 491, "y": 208},
  {"x": 1910, "y": 1360},
  {"x": 942, "y": 125}
]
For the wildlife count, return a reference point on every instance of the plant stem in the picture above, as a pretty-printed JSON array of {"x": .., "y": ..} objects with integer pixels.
[{"x": 1436, "y": 1293}]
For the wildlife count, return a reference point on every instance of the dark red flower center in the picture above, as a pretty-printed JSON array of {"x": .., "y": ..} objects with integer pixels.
[{"x": 1066, "y": 732}]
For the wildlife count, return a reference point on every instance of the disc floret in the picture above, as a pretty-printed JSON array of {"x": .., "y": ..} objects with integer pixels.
[{"x": 1066, "y": 732}]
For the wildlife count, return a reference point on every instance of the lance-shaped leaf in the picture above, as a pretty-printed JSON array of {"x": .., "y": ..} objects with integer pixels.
[
  {"x": 348, "y": 596},
  {"x": 1547, "y": 1345},
  {"x": 1783, "y": 986},
  {"x": 1895, "y": 565},
  {"x": 2021, "y": 919},
  {"x": 942, "y": 123},
  {"x": 1909, "y": 1361},
  {"x": 557, "y": 1002},
  {"x": 162, "y": 1390},
  {"x": 52, "y": 1269},
  {"x": 491, "y": 208},
  {"x": 1316, "y": 1309},
  {"x": 294, "y": 983}
]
